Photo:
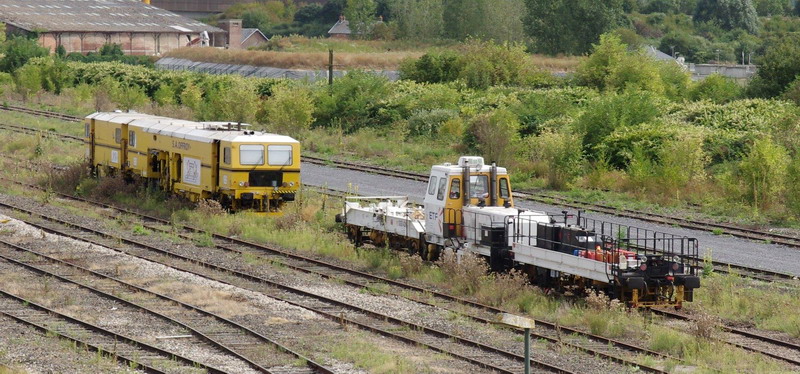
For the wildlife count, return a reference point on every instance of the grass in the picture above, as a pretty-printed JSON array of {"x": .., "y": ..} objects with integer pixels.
[
  {"x": 312, "y": 53},
  {"x": 374, "y": 359},
  {"x": 11, "y": 370},
  {"x": 764, "y": 306}
]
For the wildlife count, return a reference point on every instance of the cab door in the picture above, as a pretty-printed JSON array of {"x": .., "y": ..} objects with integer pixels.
[{"x": 435, "y": 199}]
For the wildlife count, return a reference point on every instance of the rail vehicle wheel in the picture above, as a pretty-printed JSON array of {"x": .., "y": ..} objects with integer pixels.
[{"x": 413, "y": 247}]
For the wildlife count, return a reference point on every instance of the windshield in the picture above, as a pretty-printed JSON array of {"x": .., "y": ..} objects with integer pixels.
[
  {"x": 478, "y": 186},
  {"x": 251, "y": 154}
]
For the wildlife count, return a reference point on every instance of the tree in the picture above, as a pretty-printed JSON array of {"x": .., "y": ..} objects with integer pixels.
[
  {"x": 728, "y": 14},
  {"x": 570, "y": 26},
  {"x": 418, "y": 19},
  {"x": 361, "y": 16},
  {"x": 606, "y": 55},
  {"x": 18, "y": 51},
  {"x": 780, "y": 66}
]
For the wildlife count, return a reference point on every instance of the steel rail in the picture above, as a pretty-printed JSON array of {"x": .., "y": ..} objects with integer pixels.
[
  {"x": 188, "y": 307},
  {"x": 732, "y": 230},
  {"x": 367, "y": 278},
  {"x": 134, "y": 346},
  {"x": 747, "y": 334},
  {"x": 333, "y": 316}
]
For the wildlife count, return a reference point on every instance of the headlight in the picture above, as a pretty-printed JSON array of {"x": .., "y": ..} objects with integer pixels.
[
  {"x": 241, "y": 184},
  {"x": 291, "y": 184}
]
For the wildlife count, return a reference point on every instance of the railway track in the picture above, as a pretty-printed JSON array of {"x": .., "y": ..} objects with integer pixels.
[
  {"x": 224, "y": 334},
  {"x": 722, "y": 267},
  {"x": 534, "y": 196},
  {"x": 465, "y": 349},
  {"x": 605, "y": 348},
  {"x": 41, "y": 113},
  {"x": 778, "y": 349},
  {"x": 132, "y": 352}
]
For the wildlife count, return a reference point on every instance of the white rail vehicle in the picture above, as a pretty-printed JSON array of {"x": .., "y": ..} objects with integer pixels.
[{"x": 479, "y": 217}]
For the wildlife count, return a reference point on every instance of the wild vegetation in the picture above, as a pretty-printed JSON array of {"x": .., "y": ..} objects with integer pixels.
[{"x": 621, "y": 123}]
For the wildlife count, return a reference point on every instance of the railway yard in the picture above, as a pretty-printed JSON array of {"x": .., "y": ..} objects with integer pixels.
[{"x": 90, "y": 286}]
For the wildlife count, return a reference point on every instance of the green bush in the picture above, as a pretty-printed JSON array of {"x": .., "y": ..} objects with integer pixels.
[
  {"x": 487, "y": 64},
  {"x": 636, "y": 71},
  {"x": 427, "y": 122},
  {"x": 354, "y": 101},
  {"x": 562, "y": 155},
  {"x": 494, "y": 135},
  {"x": 432, "y": 67},
  {"x": 606, "y": 55},
  {"x": 763, "y": 172},
  {"x": 164, "y": 95},
  {"x": 27, "y": 81},
  {"x": 537, "y": 108},
  {"x": 18, "y": 50},
  {"x": 716, "y": 88},
  {"x": 614, "y": 111},
  {"x": 289, "y": 110},
  {"x": 793, "y": 186}
]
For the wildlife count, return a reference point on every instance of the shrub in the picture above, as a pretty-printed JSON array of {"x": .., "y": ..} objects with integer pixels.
[
  {"x": 605, "y": 56},
  {"x": 494, "y": 135},
  {"x": 18, "y": 50},
  {"x": 129, "y": 97},
  {"x": 209, "y": 208},
  {"x": 486, "y": 64},
  {"x": 68, "y": 180},
  {"x": 465, "y": 275},
  {"x": 428, "y": 122},
  {"x": 353, "y": 102},
  {"x": 763, "y": 172},
  {"x": 715, "y": 88},
  {"x": 27, "y": 81},
  {"x": 164, "y": 95},
  {"x": 637, "y": 72},
  {"x": 432, "y": 67},
  {"x": 610, "y": 112},
  {"x": 793, "y": 185},
  {"x": 562, "y": 155},
  {"x": 232, "y": 100},
  {"x": 289, "y": 110}
]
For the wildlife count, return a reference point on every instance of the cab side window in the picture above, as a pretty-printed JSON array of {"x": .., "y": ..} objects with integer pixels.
[
  {"x": 132, "y": 138},
  {"x": 504, "y": 189},
  {"x": 455, "y": 189},
  {"x": 226, "y": 155},
  {"x": 117, "y": 135},
  {"x": 442, "y": 188},
  {"x": 432, "y": 185},
  {"x": 86, "y": 129}
]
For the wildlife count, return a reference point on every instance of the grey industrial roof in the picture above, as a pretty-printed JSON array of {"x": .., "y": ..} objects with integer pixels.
[{"x": 96, "y": 16}]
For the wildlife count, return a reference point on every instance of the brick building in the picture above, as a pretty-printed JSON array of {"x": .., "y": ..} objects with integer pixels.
[{"x": 86, "y": 25}]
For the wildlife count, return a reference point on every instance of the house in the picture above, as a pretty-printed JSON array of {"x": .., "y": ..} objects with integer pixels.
[
  {"x": 86, "y": 25},
  {"x": 341, "y": 29},
  {"x": 252, "y": 38}
]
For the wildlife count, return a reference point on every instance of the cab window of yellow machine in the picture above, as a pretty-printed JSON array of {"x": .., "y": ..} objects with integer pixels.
[
  {"x": 279, "y": 155},
  {"x": 226, "y": 155},
  {"x": 504, "y": 188},
  {"x": 455, "y": 189},
  {"x": 132, "y": 137},
  {"x": 251, "y": 154}
]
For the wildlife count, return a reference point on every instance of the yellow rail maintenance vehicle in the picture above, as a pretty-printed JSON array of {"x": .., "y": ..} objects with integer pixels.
[{"x": 242, "y": 169}]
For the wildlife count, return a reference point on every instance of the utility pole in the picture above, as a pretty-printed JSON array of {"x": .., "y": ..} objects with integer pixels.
[{"x": 330, "y": 67}]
